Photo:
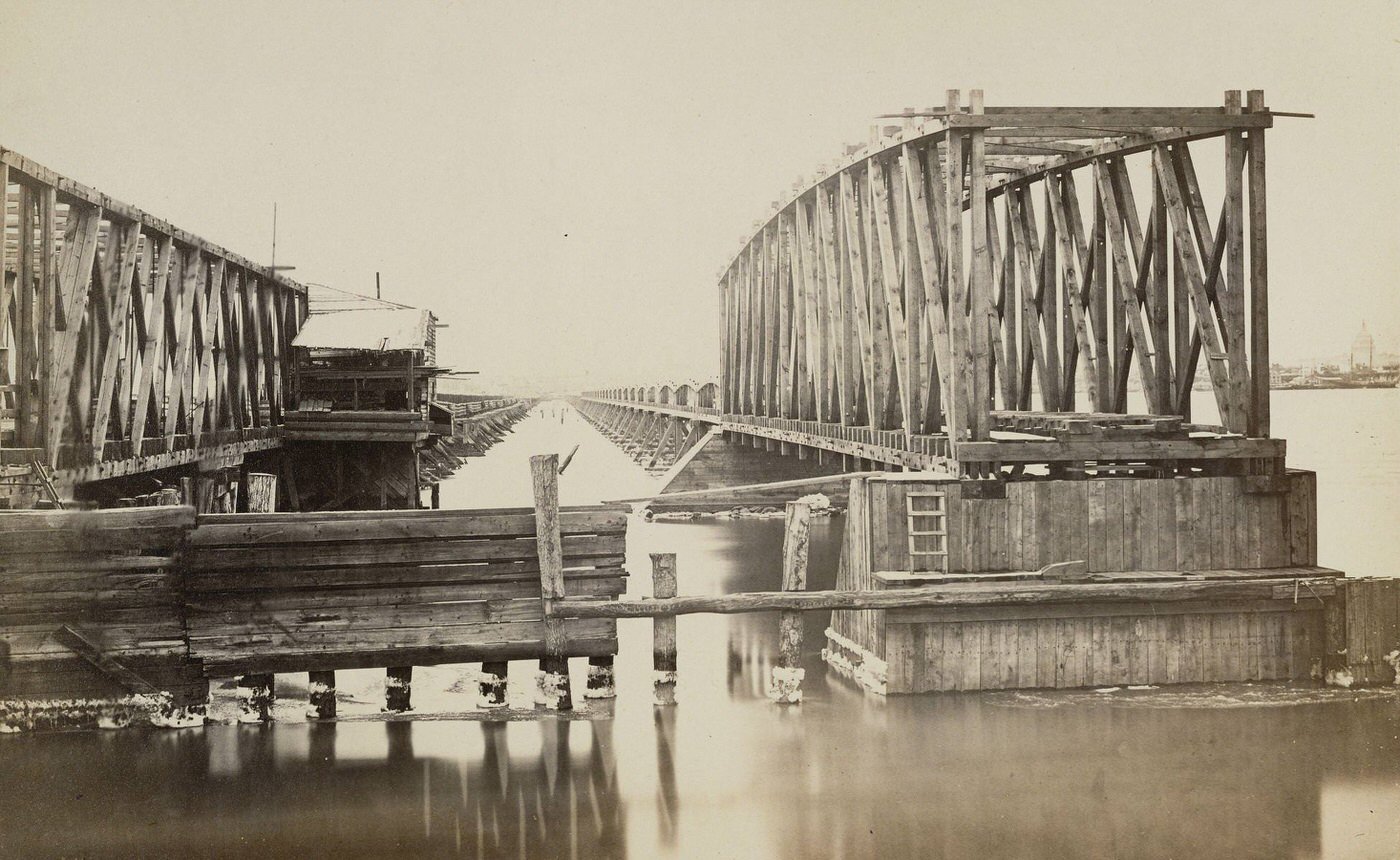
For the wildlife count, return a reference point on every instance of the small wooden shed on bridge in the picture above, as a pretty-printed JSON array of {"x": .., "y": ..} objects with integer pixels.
[{"x": 363, "y": 385}]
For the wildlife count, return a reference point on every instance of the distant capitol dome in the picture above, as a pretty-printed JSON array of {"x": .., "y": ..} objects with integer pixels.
[{"x": 1363, "y": 349}]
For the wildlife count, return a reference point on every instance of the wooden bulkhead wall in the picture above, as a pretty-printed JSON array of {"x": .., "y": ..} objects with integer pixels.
[{"x": 1227, "y": 529}]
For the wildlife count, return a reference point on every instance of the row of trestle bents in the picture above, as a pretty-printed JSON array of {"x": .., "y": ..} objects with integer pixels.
[{"x": 655, "y": 440}]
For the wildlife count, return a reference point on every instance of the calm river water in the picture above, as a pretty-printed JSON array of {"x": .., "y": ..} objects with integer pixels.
[{"x": 1228, "y": 771}]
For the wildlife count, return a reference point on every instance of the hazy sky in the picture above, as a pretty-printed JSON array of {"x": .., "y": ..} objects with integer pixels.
[{"x": 562, "y": 183}]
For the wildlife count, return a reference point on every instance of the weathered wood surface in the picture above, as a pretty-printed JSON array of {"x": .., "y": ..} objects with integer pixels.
[
  {"x": 785, "y": 686},
  {"x": 1112, "y": 524},
  {"x": 246, "y": 594},
  {"x": 278, "y": 592},
  {"x": 1281, "y": 585},
  {"x": 663, "y": 629},
  {"x": 81, "y": 615},
  {"x": 863, "y": 627},
  {"x": 1372, "y": 630},
  {"x": 1106, "y": 645},
  {"x": 554, "y": 665}
]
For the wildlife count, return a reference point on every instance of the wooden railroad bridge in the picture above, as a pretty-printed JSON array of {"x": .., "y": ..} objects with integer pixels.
[
  {"x": 1013, "y": 305},
  {"x": 984, "y": 290},
  {"x": 936, "y": 324},
  {"x": 131, "y": 348}
]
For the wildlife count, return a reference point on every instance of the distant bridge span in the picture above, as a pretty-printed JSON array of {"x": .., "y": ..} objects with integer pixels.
[{"x": 946, "y": 295}]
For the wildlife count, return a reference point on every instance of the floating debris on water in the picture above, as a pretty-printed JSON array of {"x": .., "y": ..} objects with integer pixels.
[{"x": 1247, "y": 695}]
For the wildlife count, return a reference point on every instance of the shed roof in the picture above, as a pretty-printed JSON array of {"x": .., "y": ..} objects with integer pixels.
[{"x": 372, "y": 329}]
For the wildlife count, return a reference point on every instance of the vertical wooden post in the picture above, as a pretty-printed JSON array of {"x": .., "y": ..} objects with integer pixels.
[
  {"x": 1334, "y": 638},
  {"x": 322, "y": 695},
  {"x": 24, "y": 320},
  {"x": 600, "y": 684},
  {"x": 207, "y": 492},
  {"x": 958, "y": 332},
  {"x": 398, "y": 689},
  {"x": 260, "y": 690},
  {"x": 260, "y": 491},
  {"x": 240, "y": 502},
  {"x": 786, "y": 684},
  {"x": 554, "y": 666},
  {"x": 437, "y": 496},
  {"x": 492, "y": 686},
  {"x": 663, "y": 630},
  {"x": 1258, "y": 275},
  {"x": 1233, "y": 294},
  {"x": 48, "y": 288},
  {"x": 980, "y": 306},
  {"x": 256, "y": 693}
]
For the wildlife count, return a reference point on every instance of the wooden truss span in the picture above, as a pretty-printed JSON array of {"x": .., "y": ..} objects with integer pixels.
[
  {"x": 975, "y": 262},
  {"x": 128, "y": 344}
]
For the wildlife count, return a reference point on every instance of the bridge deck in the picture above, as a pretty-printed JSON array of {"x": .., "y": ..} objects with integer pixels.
[{"x": 933, "y": 452}]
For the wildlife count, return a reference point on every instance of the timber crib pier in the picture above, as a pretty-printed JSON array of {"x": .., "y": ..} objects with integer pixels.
[{"x": 103, "y": 606}]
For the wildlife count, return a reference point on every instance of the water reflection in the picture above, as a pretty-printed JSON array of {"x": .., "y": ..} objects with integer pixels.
[{"x": 470, "y": 789}]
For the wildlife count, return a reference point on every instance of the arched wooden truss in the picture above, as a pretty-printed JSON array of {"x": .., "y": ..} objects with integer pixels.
[
  {"x": 129, "y": 344},
  {"x": 983, "y": 269}
]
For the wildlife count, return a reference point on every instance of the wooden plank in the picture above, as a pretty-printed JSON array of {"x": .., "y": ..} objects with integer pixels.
[
  {"x": 515, "y": 645},
  {"x": 1044, "y": 653},
  {"x": 500, "y": 591},
  {"x": 1126, "y": 608},
  {"x": 1114, "y": 521},
  {"x": 1134, "y": 532},
  {"x": 1098, "y": 525},
  {"x": 954, "y": 657},
  {"x": 892, "y": 298},
  {"x": 575, "y": 547},
  {"x": 1037, "y": 451},
  {"x": 244, "y": 530}
]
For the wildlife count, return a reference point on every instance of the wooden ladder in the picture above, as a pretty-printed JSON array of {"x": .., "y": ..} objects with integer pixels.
[{"x": 933, "y": 516}]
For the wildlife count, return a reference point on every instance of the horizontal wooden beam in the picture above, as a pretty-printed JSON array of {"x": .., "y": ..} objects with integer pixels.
[
  {"x": 1092, "y": 117},
  {"x": 226, "y": 454},
  {"x": 774, "y": 485},
  {"x": 1105, "y": 450},
  {"x": 995, "y": 594}
]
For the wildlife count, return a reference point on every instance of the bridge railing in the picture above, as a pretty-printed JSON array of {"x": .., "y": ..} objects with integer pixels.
[{"x": 126, "y": 343}]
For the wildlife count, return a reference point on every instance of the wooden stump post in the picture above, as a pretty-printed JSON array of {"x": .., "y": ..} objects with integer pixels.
[
  {"x": 260, "y": 491},
  {"x": 786, "y": 684},
  {"x": 554, "y": 666},
  {"x": 256, "y": 693},
  {"x": 322, "y": 695},
  {"x": 398, "y": 689},
  {"x": 492, "y": 686},
  {"x": 663, "y": 629},
  {"x": 600, "y": 678}
]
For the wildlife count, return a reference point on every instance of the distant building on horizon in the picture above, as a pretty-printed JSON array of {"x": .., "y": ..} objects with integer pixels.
[{"x": 1364, "y": 346}]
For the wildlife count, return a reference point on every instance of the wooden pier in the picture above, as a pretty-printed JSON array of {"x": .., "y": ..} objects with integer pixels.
[{"x": 109, "y": 604}]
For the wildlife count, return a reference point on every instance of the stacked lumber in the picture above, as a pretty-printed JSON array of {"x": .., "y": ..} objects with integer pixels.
[
  {"x": 310, "y": 592},
  {"x": 90, "y": 605},
  {"x": 355, "y": 426}
]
